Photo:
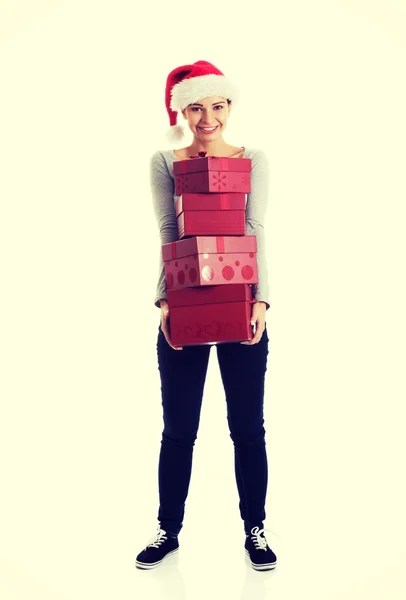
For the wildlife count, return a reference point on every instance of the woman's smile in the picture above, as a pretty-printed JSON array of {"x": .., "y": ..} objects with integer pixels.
[{"x": 208, "y": 129}]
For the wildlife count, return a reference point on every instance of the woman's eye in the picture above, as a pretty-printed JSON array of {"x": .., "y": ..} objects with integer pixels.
[{"x": 194, "y": 108}]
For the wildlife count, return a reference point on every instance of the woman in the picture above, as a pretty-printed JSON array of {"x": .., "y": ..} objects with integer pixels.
[{"x": 205, "y": 97}]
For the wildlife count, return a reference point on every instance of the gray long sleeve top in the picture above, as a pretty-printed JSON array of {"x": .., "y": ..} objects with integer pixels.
[{"x": 163, "y": 196}]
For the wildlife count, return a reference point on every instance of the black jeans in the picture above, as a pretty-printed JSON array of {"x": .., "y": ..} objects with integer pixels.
[{"x": 183, "y": 375}]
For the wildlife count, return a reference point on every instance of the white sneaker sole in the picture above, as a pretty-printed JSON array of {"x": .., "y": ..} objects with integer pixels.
[
  {"x": 263, "y": 567},
  {"x": 141, "y": 565}
]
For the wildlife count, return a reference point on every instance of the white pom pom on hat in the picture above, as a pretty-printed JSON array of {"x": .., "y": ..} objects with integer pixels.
[
  {"x": 190, "y": 83},
  {"x": 175, "y": 133}
]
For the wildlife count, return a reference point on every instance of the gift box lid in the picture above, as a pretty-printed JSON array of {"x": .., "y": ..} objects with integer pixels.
[
  {"x": 209, "y": 245},
  {"x": 211, "y": 201},
  {"x": 210, "y": 294},
  {"x": 211, "y": 163}
]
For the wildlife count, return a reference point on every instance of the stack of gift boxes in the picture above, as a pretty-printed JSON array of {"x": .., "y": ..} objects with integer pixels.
[{"x": 210, "y": 269}]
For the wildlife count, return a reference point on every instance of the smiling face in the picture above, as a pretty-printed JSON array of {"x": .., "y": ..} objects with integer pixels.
[{"x": 208, "y": 117}]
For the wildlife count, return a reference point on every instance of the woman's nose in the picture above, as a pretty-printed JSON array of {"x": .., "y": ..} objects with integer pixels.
[{"x": 207, "y": 116}]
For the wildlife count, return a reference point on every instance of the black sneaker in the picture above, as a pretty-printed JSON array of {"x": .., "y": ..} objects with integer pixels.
[
  {"x": 261, "y": 556},
  {"x": 161, "y": 545}
]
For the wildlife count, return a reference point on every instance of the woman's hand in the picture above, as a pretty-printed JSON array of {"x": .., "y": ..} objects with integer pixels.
[
  {"x": 257, "y": 321},
  {"x": 165, "y": 325}
]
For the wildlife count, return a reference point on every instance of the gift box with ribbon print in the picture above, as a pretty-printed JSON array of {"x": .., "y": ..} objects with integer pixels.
[
  {"x": 212, "y": 174},
  {"x": 209, "y": 315},
  {"x": 210, "y": 260},
  {"x": 213, "y": 181},
  {"x": 211, "y": 214}
]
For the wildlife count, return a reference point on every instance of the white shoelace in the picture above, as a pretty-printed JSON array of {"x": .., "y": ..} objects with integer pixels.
[
  {"x": 259, "y": 542},
  {"x": 158, "y": 539}
]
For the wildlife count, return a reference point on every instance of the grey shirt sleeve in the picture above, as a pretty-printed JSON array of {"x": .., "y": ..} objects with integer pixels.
[
  {"x": 257, "y": 202},
  {"x": 162, "y": 188}
]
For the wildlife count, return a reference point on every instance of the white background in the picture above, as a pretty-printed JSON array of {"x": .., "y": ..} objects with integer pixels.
[{"x": 82, "y": 109}]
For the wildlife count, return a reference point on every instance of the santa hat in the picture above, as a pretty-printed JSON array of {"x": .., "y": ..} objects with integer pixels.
[{"x": 188, "y": 84}]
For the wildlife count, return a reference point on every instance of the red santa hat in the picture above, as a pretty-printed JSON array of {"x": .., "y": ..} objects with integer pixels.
[{"x": 188, "y": 84}]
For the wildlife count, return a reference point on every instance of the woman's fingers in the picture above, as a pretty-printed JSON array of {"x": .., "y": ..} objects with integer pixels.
[
  {"x": 166, "y": 331},
  {"x": 260, "y": 328}
]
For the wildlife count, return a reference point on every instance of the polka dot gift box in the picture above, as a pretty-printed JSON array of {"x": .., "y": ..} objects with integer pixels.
[
  {"x": 216, "y": 313},
  {"x": 210, "y": 260}
]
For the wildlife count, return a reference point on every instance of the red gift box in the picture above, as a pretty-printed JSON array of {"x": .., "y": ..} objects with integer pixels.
[
  {"x": 213, "y": 181},
  {"x": 215, "y": 314},
  {"x": 211, "y": 222},
  {"x": 211, "y": 214},
  {"x": 229, "y": 201},
  {"x": 211, "y": 163},
  {"x": 201, "y": 261}
]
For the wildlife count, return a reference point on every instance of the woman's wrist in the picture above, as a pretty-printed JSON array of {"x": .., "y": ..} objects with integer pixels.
[{"x": 264, "y": 302}]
